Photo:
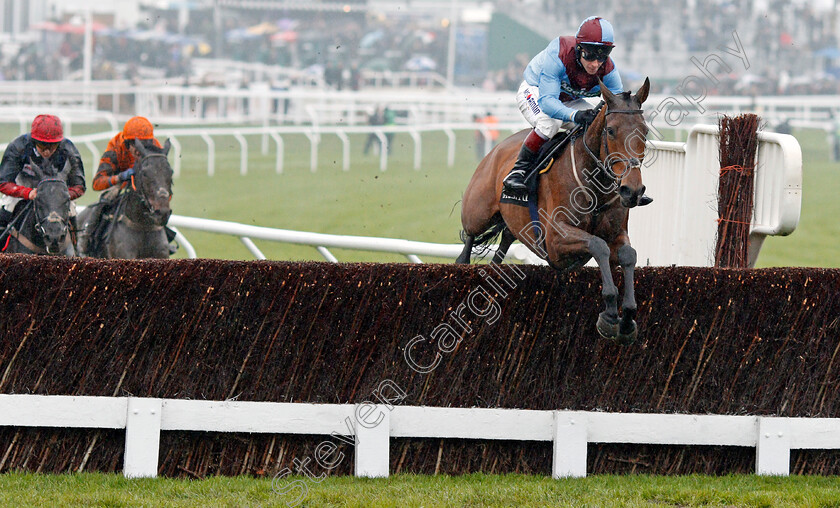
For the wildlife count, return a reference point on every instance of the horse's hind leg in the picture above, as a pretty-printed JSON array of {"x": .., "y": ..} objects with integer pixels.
[
  {"x": 464, "y": 257},
  {"x": 627, "y": 330},
  {"x": 504, "y": 245}
]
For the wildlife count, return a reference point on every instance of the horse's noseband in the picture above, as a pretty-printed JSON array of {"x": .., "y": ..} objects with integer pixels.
[
  {"x": 160, "y": 192},
  {"x": 606, "y": 167}
]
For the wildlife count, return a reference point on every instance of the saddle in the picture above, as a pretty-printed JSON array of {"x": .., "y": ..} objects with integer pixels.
[
  {"x": 107, "y": 211},
  {"x": 549, "y": 152}
]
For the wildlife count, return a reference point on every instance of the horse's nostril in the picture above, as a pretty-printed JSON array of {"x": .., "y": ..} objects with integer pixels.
[{"x": 625, "y": 192}]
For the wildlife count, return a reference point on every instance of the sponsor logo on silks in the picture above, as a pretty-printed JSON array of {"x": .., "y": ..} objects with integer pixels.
[
  {"x": 532, "y": 104},
  {"x": 574, "y": 92}
]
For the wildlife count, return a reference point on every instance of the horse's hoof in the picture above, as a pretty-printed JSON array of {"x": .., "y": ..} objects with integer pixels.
[
  {"x": 607, "y": 325},
  {"x": 627, "y": 334}
]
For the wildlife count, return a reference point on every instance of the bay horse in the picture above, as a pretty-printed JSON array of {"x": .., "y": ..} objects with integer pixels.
[
  {"x": 582, "y": 207},
  {"x": 141, "y": 211},
  {"x": 42, "y": 225}
]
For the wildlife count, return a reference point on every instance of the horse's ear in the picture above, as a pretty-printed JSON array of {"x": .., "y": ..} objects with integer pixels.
[
  {"x": 140, "y": 148},
  {"x": 605, "y": 92},
  {"x": 166, "y": 147},
  {"x": 39, "y": 173},
  {"x": 642, "y": 94}
]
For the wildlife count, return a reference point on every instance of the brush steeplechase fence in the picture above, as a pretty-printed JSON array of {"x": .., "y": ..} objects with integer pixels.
[
  {"x": 478, "y": 359},
  {"x": 370, "y": 428}
]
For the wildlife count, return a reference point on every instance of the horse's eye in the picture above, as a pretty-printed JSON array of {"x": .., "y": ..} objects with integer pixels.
[{"x": 610, "y": 132}]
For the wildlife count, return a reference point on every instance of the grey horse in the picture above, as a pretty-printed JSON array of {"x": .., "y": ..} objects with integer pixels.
[{"x": 135, "y": 227}]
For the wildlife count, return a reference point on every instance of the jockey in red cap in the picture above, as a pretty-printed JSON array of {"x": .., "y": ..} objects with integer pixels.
[
  {"x": 557, "y": 81},
  {"x": 44, "y": 145}
]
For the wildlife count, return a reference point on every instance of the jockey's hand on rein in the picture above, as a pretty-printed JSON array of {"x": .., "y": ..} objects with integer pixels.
[
  {"x": 127, "y": 174},
  {"x": 585, "y": 116}
]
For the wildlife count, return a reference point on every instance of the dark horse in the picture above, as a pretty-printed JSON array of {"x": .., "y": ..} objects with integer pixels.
[
  {"x": 135, "y": 227},
  {"x": 42, "y": 225},
  {"x": 583, "y": 204}
]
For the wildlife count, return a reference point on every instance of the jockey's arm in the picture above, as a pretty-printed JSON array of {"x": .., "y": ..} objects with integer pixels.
[
  {"x": 551, "y": 77},
  {"x": 76, "y": 179},
  {"x": 12, "y": 163},
  {"x": 613, "y": 81},
  {"x": 107, "y": 174}
]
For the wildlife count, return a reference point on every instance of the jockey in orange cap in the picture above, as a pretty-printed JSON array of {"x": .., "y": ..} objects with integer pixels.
[{"x": 116, "y": 167}]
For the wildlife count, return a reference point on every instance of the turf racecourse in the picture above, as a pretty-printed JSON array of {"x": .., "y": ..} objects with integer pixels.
[
  {"x": 417, "y": 205},
  {"x": 427, "y": 491},
  {"x": 422, "y": 205}
]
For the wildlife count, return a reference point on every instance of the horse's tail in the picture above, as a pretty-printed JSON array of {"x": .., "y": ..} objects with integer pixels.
[{"x": 482, "y": 241}]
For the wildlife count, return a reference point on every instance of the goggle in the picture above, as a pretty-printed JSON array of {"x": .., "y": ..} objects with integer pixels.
[
  {"x": 592, "y": 53},
  {"x": 45, "y": 146}
]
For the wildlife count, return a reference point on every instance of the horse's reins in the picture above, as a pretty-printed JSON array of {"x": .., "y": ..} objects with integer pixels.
[
  {"x": 607, "y": 167},
  {"x": 30, "y": 207},
  {"x": 143, "y": 200}
]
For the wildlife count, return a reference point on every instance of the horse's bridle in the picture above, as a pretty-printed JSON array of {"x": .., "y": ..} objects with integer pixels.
[
  {"x": 140, "y": 194},
  {"x": 606, "y": 167},
  {"x": 53, "y": 216}
]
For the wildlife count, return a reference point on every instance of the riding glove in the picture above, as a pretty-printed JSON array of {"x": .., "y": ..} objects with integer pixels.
[
  {"x": 127, "y": 174},
  {"x": 585, "y": 116}
]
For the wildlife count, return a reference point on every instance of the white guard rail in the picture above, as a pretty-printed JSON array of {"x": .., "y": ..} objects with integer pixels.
[
  {"x": 680, "y": 227},
  {"x": 372, "y": 426},
  {"x": 322, "y": 242}
]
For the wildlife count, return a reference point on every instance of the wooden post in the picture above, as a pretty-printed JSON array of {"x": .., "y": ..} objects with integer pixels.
[
  {"x": 570, "y": 440},
  {"x": 142, "y": 438},
  {"x": 772, "y": 451}
]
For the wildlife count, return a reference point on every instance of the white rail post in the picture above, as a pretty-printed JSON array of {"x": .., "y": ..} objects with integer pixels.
[
  {"x": 142, "y": 438},
  {"x": 772, "y": 450},
  {"x": 450, "y": 158},
  {"x": 243, "y": 153},
  {"x": 373, "y": 432},
  {"x": 570, "y": 440}
]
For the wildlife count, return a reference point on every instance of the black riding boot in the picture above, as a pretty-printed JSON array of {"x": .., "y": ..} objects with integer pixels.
[{"x": 515, "y": 181}]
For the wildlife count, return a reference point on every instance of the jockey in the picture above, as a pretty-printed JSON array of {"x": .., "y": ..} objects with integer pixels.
[
  {"x": 116, "y": 167},
  {"x": 45, "y": 145},
  {"x": 551, "y": 97}
]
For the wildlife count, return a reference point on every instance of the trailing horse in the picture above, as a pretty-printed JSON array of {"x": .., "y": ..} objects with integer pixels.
[
  {"x": 135, "y": 226},
  {"x": 42, "y": 225},
  {"x": 581, "y": 208}
]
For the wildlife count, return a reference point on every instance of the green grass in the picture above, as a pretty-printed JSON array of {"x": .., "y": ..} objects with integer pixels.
[
  {"x": 814, "y": 242},
  {"x": 430, "y": 491},
  {"x": 401, "y": 202},
  {"x": 421, "y": 205}
]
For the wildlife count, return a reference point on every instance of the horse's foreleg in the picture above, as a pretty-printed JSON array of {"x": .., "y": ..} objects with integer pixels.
[
  {"x": 627, "y": 330},
  {"x": 608, "y": 319},
  {"x": 504, "y": 245},
  {"x": 464, "y": 257}
]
